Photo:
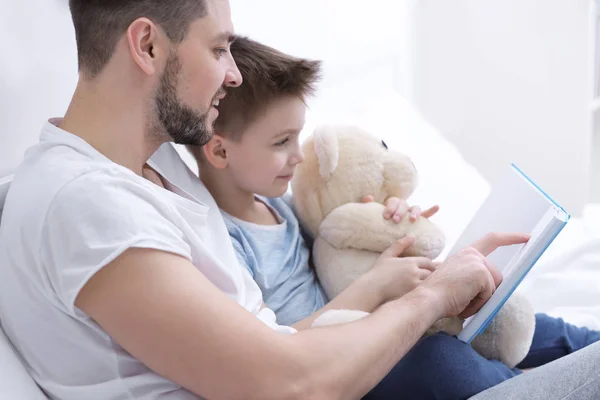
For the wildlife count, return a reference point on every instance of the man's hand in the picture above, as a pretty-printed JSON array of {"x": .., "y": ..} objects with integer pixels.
[
  {"x": 396, "y": 276},
  {"x": 396, "y": 209},
  {"x": 467, "y": 280}
]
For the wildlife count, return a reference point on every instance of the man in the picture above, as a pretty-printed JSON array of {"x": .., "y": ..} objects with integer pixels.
[{"x": 112, "y": 287}]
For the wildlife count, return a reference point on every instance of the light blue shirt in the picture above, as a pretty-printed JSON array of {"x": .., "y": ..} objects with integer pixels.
[{"x": 277, "y": 256}]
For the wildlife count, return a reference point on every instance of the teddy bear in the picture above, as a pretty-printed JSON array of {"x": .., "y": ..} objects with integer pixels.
[{"x": 343, "y": 164}]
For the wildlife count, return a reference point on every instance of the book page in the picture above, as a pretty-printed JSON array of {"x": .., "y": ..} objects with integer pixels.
[
  {"x": 537, "y": 235},
  {"x": 514, "y": 205}
]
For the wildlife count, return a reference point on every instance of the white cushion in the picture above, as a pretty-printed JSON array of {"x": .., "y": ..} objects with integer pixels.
[{"x": 15, "y": 381}]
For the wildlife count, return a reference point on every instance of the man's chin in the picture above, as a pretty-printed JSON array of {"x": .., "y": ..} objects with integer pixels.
[{"x": 193, "y": 141}]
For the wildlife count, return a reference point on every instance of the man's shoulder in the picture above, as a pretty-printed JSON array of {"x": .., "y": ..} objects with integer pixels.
[
  {"x": 71, "y": 188},
  {"x": 78, "y": 178}
]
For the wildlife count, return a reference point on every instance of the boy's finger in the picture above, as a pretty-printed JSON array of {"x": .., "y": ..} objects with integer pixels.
[
  {"x": 392, "y": 206},
  {"x": 426, "y": 263},
  {"x": 398, "y": 247},
  {"x": 367, "y": 199},
  {"x": 430, "y": 212},
  {"x": 399, "y": 214},
  {"x": 415, "y": 212}
]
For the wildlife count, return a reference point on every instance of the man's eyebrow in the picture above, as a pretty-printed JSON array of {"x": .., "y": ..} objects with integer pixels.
[
  {"x": 226, "y": 36},
  {"x": 291, "y": 131}
]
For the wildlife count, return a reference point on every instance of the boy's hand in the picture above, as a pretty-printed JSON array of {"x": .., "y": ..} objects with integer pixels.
[
  {"x": 394, "y": 276},
  {"x": 396, "y": 209}
]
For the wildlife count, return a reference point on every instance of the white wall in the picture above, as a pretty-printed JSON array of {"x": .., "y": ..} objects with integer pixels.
[
  {"x": 363, "y": 45},
  {"x": 38, "y": 72},
  {"x": 500, "y": 78},
  {"x": 506, "y": 80},
  {"x": 362, "y": 51}
]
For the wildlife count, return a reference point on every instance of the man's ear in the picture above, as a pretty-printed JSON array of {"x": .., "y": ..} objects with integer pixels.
[
  {"x": 144, "y": 45},
  {"x": 215, "y": 151}
]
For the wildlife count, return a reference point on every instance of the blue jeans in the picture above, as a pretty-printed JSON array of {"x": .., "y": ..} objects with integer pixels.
[{"x": 441, "y": 367}]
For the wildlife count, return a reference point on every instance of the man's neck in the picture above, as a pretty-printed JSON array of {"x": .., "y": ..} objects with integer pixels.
[
  {"x": 234, "y": 200},
  {"x": 115, "y": 126}
]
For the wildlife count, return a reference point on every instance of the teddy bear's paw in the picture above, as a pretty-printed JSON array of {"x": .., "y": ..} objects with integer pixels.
[
  {"x": 508, "y": 337},
  {"x": 336, "y": 317},
  {"x": 427, "y": 244}
]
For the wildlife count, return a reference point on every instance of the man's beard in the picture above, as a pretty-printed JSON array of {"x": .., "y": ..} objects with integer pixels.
[{"x": 181, "y": 123}]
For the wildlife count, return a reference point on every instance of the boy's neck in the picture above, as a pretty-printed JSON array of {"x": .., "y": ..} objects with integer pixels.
[{"x": 234, "y": 200}]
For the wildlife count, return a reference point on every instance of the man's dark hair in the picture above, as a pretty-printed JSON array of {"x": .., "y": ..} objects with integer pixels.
[{"x": 99, "y": 24}]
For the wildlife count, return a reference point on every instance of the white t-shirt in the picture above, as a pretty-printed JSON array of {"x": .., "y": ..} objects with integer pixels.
[{"x": 69, "y": 212}]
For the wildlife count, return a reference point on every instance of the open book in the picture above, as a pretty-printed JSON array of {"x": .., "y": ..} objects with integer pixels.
[{"x": 515, "y": 204}]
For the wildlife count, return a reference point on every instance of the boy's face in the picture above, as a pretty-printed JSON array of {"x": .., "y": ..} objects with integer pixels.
[
  {"x": 196, "y": 76},
  {"x": 264, "y": 160}
]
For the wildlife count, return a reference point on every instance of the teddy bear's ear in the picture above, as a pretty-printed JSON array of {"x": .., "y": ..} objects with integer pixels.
[{"x": 326, "y": 147}]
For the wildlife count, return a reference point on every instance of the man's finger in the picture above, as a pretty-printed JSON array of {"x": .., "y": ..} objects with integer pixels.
[
  {"x": 492, "y": 241},
  {"x": 474, "y": 306},
  {"x": 496, "y": 274},
  {"x": 480, "y": 299},
  {"x": 398, "y": 247}
]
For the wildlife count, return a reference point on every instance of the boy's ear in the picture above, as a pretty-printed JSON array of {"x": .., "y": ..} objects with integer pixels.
[{"x": 215, "y": 152}]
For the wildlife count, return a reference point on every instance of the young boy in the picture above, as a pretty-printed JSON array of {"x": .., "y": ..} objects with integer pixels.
[{"x": 247, "y": 167}]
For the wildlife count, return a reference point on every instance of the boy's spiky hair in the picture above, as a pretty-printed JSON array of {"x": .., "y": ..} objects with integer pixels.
[{"x": 268, "y": 74}]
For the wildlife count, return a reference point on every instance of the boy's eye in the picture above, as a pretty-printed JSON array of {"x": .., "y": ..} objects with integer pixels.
[
  {"x": 384, "y": 145},
  {"x": 282, "y": 142}
]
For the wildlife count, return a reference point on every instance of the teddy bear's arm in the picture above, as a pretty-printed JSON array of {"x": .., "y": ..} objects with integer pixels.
[{"x": 362, "y": 227}]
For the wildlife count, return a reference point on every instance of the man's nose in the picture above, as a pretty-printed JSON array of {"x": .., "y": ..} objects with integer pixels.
[{"x": 233, "y": 78}]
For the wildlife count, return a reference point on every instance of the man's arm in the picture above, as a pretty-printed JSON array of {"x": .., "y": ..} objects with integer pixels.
[{"x": 163, "y": 311}]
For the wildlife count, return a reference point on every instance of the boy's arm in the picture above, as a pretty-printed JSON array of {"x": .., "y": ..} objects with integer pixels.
[
  {"x": 162, "y": 310},
  {"x": 360, "y": 295},
  {"x": 391, "y": 278}
]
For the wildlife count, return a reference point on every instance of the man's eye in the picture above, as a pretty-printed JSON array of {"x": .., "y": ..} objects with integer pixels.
[
  {"x": 384, "y": 145},
  {"x": 221, "y": 51}
]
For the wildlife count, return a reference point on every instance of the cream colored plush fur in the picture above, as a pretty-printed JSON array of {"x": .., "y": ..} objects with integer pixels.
[{"x": 342, "y": 165}]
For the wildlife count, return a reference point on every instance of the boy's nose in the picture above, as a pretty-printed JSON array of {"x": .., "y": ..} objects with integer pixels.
[{"x": 297, "y": 158}]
